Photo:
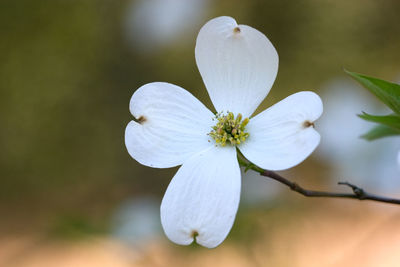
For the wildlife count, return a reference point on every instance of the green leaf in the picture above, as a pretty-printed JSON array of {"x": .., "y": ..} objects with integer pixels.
[
  {"x": 387, "y": 92},
  {"x": 392, "y": 121},
  {"x": 380, "y": 131}
]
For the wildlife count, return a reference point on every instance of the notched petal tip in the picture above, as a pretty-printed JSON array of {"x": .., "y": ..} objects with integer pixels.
[
  {"x": 194, "y": 234},
  {"x": 140, "y": 120},
  {"x": 307, "y": 124}
]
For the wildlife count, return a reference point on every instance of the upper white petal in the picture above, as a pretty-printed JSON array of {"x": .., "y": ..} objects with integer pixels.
[
  {"x": 175, "y": 125},
  {"x": 281, "y": 136},
  {"x": 203, "y": 198},
  {"x": 238, "y": 65}
]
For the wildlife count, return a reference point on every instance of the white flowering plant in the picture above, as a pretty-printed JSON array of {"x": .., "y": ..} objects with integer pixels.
[{"x": 171, "y": 127}]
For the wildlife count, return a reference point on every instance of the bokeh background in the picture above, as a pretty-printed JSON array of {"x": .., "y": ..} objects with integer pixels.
[{"x": 70, "y": 195}]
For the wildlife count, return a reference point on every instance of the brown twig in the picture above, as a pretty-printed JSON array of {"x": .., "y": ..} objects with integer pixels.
[{"x": 358, "y": 193}]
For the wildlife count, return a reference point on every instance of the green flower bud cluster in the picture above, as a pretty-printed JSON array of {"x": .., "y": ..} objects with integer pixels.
[{"x": 229, "y": 130}]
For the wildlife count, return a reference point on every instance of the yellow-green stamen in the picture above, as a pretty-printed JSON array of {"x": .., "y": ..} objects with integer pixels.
[{"x": 229, "y": 130}]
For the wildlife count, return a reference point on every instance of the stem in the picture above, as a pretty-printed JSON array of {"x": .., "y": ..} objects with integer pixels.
[{"x": 358, "y": 193}]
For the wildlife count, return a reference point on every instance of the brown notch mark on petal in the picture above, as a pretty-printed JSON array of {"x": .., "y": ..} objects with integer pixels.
[
  {"x": 194, "y": 234},
  {"x": 307, "y": 124},
  {"x": 236, "y": 30},
  {"x": 140, "y": 120}
]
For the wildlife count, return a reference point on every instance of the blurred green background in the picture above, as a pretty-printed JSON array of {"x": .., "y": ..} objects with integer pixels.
[{"x": 69, "y": 68}]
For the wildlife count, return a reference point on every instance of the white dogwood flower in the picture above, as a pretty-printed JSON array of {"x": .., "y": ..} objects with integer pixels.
[{"x": 238, "y": 65}]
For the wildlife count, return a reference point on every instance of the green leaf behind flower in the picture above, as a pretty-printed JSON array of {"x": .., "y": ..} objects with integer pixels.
[
  {"x": 387, "y": 92},
  {"x": 392, "y": 121},
  {"x": 379, "y": 131}
]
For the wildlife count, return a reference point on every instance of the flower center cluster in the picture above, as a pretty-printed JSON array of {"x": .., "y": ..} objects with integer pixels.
[{"x": 229, "y": 130}]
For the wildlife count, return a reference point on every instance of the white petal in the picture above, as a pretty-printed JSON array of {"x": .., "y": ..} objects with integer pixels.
[
  {"x": 175, "y": 125},
  {"x": 238, "y": 65},
  {"x": 203, "y": 198},
  {"x": 282, "y": 136}
]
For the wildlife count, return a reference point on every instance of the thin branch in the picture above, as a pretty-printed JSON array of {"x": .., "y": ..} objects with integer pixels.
[{"x": 358, "y": 193}]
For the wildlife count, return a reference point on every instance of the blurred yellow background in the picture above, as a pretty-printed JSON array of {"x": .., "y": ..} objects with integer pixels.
[{"x": 70, "y": 195}]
